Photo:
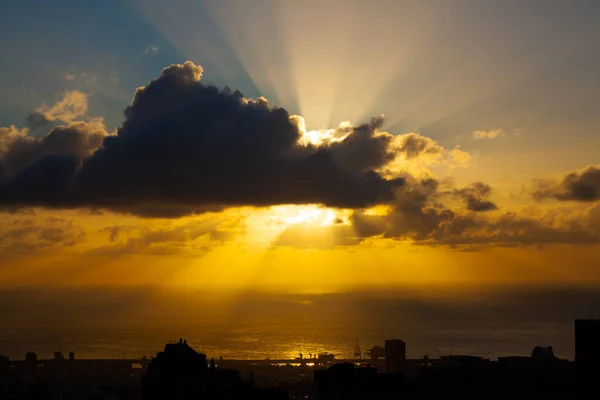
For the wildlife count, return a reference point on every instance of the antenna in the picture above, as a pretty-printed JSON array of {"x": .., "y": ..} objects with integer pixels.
[{"x": 357, "y": 352}]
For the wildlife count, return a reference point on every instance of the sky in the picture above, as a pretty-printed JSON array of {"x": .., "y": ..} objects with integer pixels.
[{"x": 299, "y": 146}]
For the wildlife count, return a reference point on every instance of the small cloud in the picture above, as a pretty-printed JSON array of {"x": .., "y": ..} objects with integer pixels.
[
  {"x": 461, "y": 158},
  {"x": 71, "y": 106},
  {"x": 491, "y": 134},
  {"x": 89, "y": 79},
  {"x": 151, "y": 51},
  {"x": 83, "y": 77}
]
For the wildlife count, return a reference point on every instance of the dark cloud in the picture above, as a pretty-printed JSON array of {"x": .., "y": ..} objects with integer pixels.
[
  {"x": 363, "y": 149},
  {"x": 417, "y": 214},
  {"x": 77, "y": 140},
  {"x": 186, "y": 148},
  {"x": 25, "y": 235},
  {"x": 115, "y": 232},
  {"x": 476, "y": 196},
  {"x": 417, "y": 211},
  {"x": 581, "y": 186},
  {"x": 515, "y": 229},
  {"x": 471, "y": 231}
]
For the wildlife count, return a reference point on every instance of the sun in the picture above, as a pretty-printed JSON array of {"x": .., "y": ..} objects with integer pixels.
[
  {"x": 304, "y": 214},
  {"x": 322, "y": 137},
  {"x": 318, "y": 138},
  {"x": 264, "y": 225}
]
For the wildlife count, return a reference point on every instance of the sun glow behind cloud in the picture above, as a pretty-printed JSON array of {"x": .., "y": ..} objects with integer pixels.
[
  {"x": 321, "y": 137},
  {"x": 265, "y": 227},
  {"x": 304, "y": 215}
]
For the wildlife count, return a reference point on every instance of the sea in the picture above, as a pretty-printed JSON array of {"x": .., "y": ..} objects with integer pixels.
[
  {"x": 285, "y": 341},
  {"x": 282, "y": 327}
]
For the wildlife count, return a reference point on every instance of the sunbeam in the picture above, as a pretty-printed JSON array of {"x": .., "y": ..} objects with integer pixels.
[{"x": 349, "y": 60}]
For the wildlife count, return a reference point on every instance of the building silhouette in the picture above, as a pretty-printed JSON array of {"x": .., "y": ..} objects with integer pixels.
[
  {"x": 375, "y": 354},
  {"x": 395, "y": 355},
  {"x": 587, "y": 342},
  {"x": 341, "y": 381},
  {"x": 543, "y": 354},
  {"x": 181, "y": 373},
  {"x": 587, "y": 353},
  {"x": 178, "y": 372},
  {"x": 31, "y": 357},
  {"x": 344, "y": 381},
  {"x": 4, "y": 364}
]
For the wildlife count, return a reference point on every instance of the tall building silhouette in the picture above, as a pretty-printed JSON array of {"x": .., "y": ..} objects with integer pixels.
[
  {"x": 395, "y": 355},
  {"x": 587, "y": 353},
  {"x": 4, "y": 365},
  {"x": 178, "y": 372},
  {"x": 587, "y": 341}
]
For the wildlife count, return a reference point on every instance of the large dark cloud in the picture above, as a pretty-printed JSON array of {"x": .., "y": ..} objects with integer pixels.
[
  {"x": 581, "y": 186},
  {"x": 185, "y": 147}
]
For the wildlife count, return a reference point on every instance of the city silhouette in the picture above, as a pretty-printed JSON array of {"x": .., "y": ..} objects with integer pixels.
[{"x": 381, "y": 372}]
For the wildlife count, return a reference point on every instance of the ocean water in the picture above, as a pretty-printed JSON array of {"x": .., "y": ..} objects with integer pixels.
[
  {"x": 286, "y": 341},
  {"x": 284, "y": 327}
]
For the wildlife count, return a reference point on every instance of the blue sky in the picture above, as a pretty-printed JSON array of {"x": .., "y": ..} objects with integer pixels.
[{"x": 98, "y": 39}]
